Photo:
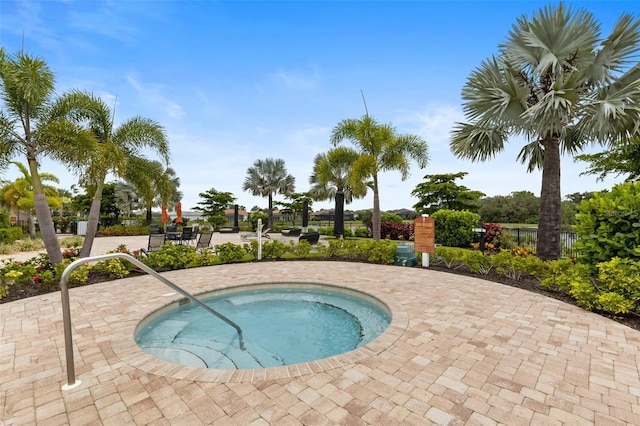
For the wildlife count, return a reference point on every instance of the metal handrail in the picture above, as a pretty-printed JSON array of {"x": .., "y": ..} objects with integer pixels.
[{"x": 66, "y": 311}]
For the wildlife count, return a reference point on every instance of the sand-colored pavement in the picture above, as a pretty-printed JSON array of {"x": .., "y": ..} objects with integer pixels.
[{"x": 459, "y": 351}]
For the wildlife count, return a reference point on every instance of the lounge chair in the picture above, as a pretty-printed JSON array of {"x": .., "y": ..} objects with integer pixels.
[
  {"x": 204, "y": 241},
  {"x": 155, "y": 244},
  {"x": 229, "y": 230},
  {"x": 292, "y": 232},
  {"x": 311, "y": 237},
  {"x": 187, "y": 235},
  {"x": 248, "y": 235}
]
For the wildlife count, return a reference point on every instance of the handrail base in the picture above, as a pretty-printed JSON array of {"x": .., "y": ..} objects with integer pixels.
[{"x": 68, "y": 387}]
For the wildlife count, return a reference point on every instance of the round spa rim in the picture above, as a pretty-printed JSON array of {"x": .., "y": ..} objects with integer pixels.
[{"x": 139, "y": 359}]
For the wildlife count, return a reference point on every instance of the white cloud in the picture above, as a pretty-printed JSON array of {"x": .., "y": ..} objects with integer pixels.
[
  {"x": 152, "y": 95},
  {"x": 298, "y": 79}
]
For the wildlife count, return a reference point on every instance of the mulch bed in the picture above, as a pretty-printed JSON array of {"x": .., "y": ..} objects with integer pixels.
[
  {"x": 22, "y": 291},
  {"x": 533, "y": 285}
]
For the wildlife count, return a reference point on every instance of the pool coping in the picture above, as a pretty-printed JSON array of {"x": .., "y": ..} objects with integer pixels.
[{"x": 129, "y": 352}]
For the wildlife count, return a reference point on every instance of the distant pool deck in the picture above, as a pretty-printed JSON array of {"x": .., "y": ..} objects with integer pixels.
[{"x": 459, "y": 351}]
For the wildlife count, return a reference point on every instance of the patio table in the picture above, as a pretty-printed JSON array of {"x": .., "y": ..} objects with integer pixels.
[{"x": 175, "y": 237}]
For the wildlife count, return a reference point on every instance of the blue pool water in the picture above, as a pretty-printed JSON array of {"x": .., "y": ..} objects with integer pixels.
[{"x": 281, "y": 326}]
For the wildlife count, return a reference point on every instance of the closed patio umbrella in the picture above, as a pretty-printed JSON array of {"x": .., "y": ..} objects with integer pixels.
[
  {"x": 179, "y": 212},
  {"x": 165, "y": 215}
]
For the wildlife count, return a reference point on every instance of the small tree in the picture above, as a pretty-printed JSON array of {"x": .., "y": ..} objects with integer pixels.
[
  {"x": 267, "y": 178},
  {"x": 294, "y": 208},
  {"x": 19, "y": 194},
  {"x": 622, "y": 159},
  {"x": 213, "y": 206},
  {"x": 441, "y": 192}
]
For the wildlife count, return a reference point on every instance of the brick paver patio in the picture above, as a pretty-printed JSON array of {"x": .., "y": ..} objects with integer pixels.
[{"x": 459, "y": 351}]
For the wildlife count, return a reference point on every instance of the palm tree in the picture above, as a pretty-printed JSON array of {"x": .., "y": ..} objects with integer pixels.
[
  {"x": 28, "y": 127},
  {"x": 330, "y": 179},
  {"x": 267, "y": 178},
  {"x": 558, "y": 85},
  {"x": 176, "y": 194},
  {"x": 152, "y": 183},
  {"x": 127, "y": 199},
  {"x": 381, "y": 149},
  {"x": 19, "y": 194},
  {"x": 114, "y": 150}
]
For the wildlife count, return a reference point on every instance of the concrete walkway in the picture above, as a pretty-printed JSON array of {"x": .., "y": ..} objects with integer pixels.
[
  {"x": 459, "y": 351},
  {"x": 102, "y": 245}
]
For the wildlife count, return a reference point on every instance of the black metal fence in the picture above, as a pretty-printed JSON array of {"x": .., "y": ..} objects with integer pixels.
[{"x": 527, "y": 237}]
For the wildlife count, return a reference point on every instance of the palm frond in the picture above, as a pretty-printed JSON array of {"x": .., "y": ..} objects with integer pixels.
[
  {"x": 475, "y": 142},
  {"x": 532, "y": 154}
]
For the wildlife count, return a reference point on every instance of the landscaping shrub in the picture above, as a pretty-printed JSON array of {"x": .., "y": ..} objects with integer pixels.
[
  {"x": 518, "y": 262},
  {"x": 344, "y": 249},
  {"x": 390, "y": 217},
  {"x": 270, "y": 249},
  {"x": 326, "y": 231},
  {"x": 608, "y": 225},
  {"x": 493, "y": 232},
  {"x": 451, "y": 257},
  {"x": 614, "y": 289},
  {"x": 513, "y": 264},
  {"x": 396, "y": 231},
  {"x": 179, "y": 256},
  {"x": 11, "y": 234},
  {"x": 477, "y": 262},
  {"x": 455, "y": 228},
  {"x": 230, "y": 253},
  {"x": 4, "y": 219},
  {"x": 121, "y": 230},
  {"x": 72, "y": 242},
  {"x": 253, "y": 220},
  {"x": 361, "y": 232},
  {"x": 302, "y": 249},
  {"x": 383, "y": 251},
  {"x": 26, "y": 245}
]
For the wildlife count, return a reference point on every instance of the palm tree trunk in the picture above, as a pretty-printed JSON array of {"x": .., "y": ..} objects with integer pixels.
[
  {"x": 32, "y": 226},
  {"x": 549, "y": 218},
  {"x": 375, "y": 219},
  {"x": 94, "y": 218},
  {"x": 270, "y": 213},
  {"x": 338, "y": 225},
  {"x": 47, "y": 229}
]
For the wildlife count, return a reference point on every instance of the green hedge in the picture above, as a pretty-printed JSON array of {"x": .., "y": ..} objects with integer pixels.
[
  {"x": 608, "y": 225},
  {"x": 9, "y": 235},
  {"x": 454, "y": 228}
]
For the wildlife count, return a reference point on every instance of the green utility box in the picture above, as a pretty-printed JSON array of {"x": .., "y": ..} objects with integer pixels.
[{"x": 405, "y": 256}]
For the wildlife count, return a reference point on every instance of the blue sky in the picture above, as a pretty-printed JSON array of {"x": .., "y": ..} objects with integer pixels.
[{"x": 237, "y": 81}]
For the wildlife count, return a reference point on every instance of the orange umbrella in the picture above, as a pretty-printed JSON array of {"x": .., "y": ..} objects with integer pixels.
[
  {"x": 165, "y": 215},
  {"x": 179, "y": 212}
]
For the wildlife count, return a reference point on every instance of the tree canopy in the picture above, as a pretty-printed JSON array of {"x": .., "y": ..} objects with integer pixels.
[
  {"x": 267, "y": 178},
  {"x": 559, "y": 85},
  {"x": 621, "y": 159},
  {"x": 380, "y": 149},
  {"x": 439, "y": 191},
  {"x": 213, "y": 206}
]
